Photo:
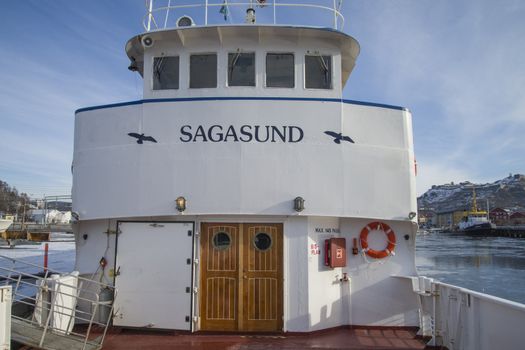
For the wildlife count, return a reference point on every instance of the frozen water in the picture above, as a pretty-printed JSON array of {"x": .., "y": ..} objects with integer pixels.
[{"x": 492, "y": 265}]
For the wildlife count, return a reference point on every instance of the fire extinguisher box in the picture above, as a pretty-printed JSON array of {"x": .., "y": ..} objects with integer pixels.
[{"x": 335, "y": 252}]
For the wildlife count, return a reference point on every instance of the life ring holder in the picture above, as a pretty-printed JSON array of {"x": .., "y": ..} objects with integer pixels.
[{"x": 391, "y": 239}]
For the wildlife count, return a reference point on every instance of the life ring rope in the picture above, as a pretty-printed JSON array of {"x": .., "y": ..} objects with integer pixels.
[{"x": 391, "y": 240}]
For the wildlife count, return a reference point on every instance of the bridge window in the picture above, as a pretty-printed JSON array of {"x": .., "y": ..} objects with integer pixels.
[
  {"x": 280, "y": 70},
  {"x": 318, "y": 72},
  {"x": 241, "y": 69},
  {"x": 165, "y": 73},
  {"x": 203, "y": 71}
]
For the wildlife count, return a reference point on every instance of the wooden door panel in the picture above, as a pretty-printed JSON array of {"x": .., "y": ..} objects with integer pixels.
[
  {"x": 219, "y": 278},
  {"x": 242, "y": 284},
  {"x": 221, "y": 294},
  {"x": 262, "y": 269},
  {"x": 262, "y": 299}
]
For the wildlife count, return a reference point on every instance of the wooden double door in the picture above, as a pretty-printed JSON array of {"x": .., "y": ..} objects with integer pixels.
[{"x": 241, "y": 277}]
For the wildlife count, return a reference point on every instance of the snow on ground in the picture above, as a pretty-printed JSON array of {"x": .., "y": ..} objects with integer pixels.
[{"x": 61, "y": 254}]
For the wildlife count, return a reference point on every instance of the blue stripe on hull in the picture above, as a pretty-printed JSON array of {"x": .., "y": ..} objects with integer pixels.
[{"x": 189, "y": 99}]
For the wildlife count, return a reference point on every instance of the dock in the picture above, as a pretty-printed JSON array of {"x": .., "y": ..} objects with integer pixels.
[
  {"x": 509, "y": 231},
  {"x": 28, "y": 234},
  {"x": 499, "y": 231}
]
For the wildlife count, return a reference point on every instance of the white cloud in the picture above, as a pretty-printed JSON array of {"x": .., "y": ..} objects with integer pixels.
[
  {"x": 460, "y": 68},
  {"x": 436, "y": 173}
]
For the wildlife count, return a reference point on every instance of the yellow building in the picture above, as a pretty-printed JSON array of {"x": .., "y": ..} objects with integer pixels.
[{"x": 450, "y": 219}]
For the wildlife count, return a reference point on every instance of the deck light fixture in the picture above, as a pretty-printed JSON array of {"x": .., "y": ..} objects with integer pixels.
[
  {"x": 180, "y": 204},
  {"x": 250, "y": 16},
  {"x": 298, "y": 204},
  {"x": 411, "y": 215}
]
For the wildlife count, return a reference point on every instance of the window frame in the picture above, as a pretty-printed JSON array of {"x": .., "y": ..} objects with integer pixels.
[
  {"x": 217, "y": 56},
  {"x": 178, "y": 74},
  {"x": 317, "y": 54},
  {"x": 294, "y": 56},
  {"x": 254, "y": 53}
]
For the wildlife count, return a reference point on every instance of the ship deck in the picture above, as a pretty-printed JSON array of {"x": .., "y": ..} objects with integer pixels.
[{"x": 340, "y": 338}]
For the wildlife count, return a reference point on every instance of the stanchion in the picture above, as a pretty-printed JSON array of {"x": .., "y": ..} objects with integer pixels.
[{"x": 46, "y": 250}]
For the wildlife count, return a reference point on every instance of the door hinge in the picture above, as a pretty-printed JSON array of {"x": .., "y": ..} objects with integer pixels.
[
  {"x": 187, "y": 318},
  {"x": 190, "y": 232},
  {"x": 188, "y": 261},
  {"x": 188, "y": 289}
]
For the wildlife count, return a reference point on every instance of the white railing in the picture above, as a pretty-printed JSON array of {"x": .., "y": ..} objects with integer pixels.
[
  {"x": 459, "y": 318},
  {"x": 163, "y": 14},
  {"x": 5, "y": 317},
  {"x": 55, "y": 310}
]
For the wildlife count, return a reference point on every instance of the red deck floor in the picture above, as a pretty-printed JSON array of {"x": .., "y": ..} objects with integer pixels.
[{"x": 361, "y": 338}]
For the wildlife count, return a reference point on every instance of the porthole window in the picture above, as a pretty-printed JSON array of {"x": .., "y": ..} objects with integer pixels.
[
  {"x": 280, "y": 70},
  {"x": 318, "y": 72},
  {"x": 221, "y": 241},
  {"x": 203, "y": 71},
  {"x": 262, "y": 241},
  {"x": 241, "y": 69},
  {"x": 165, "y": 73}
]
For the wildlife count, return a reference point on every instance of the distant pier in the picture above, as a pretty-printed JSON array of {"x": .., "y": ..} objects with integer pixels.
[
  {"x": 508, "y": 231},
  {"x": 500, "y": 231}
]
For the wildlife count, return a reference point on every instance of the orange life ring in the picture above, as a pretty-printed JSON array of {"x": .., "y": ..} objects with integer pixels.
[{"x": 391, "y": 237}]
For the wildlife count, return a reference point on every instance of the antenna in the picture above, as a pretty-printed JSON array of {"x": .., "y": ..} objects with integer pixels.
[{"x": 150, "y": 15}]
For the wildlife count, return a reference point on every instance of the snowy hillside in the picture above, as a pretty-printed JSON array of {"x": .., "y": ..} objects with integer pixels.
[{"x": 505, "y": 193}]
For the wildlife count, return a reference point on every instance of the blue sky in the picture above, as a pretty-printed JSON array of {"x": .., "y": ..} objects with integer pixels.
[{"x": 459, "y": 66}]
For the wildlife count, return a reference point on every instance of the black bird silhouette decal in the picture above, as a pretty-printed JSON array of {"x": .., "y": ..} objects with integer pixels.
[
  {"x": 141, "y": 138},
  {"x": 338, "y": 137}
]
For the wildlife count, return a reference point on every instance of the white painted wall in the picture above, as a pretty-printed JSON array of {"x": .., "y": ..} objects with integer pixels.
[
  {"x": 113, "y": 176},
  {"x": 326, "y": 304},
  {"x": 297, "y": 317},
  {"x": 92, "y": 242},
  {"x": 210, "y": 45},
  {"x": 314, "y": 298},
  {"x": 377, "y": 298}
]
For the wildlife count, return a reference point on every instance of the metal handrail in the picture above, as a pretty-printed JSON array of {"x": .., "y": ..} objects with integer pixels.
[
  {"x": 24, "y": 280},
  {"x": 153, "y": 14}
]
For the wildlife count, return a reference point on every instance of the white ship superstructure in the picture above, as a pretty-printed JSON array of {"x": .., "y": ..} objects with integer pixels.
[{"x": 243, "y": 193}]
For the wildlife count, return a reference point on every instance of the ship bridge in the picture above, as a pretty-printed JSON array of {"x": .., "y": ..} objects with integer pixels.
[
  {"x": 237, "y": 92},
  {"x": 242, "y": 48}
]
